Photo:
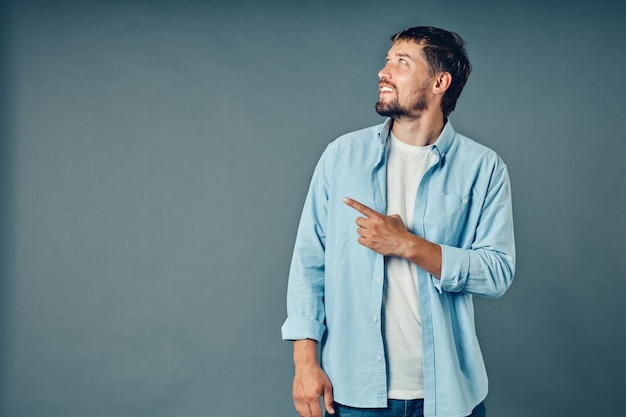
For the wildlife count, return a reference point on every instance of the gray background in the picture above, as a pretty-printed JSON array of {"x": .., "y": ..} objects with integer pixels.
[{"x": 154, "y": 160}]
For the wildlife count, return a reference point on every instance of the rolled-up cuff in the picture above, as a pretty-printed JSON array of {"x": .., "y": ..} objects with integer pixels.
[
  {"x": 299, "y": 328},
  {"x": 455, "y": 265}
]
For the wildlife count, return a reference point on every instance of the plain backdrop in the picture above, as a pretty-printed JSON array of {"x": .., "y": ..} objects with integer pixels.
[{"x": 153, "y": 164}]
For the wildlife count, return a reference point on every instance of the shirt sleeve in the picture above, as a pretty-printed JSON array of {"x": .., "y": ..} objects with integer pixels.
[
  {"x": 305, "y": 290},
  {"x": 487, "y": 268}
]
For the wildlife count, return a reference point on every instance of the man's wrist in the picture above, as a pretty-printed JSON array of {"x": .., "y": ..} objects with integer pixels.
[
  {"x": 305, "y": 353},
  {"x": 410, "y": 248},
  {"x": 421, "y": 252}
]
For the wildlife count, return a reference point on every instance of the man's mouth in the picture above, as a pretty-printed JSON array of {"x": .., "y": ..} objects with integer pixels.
[{"x": 385, "y": 89}]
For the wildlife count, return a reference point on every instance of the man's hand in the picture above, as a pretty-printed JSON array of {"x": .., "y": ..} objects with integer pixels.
[
  {"x": 308, "y": 386},
  {"x": 386, "y": 235},
  {"x": 310, "y": 382},
  {"x": 389, "y": 236}
]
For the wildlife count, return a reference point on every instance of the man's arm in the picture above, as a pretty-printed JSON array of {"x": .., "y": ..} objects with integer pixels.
[
  {"x": 389, "y": 236},
  {"x": 305, "y": 324},
  {"x": 310, "y": 383},
  {"x": 486, "y": 269}
]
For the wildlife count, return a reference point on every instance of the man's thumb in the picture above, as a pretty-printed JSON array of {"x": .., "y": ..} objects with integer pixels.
[{"x": 328, "y": 399}]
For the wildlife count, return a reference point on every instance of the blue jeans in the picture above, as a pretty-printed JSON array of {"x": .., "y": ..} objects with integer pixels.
[{"x": 395, "y": 408}]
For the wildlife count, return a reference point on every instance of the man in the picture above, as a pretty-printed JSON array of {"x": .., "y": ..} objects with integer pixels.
[{"x": 391, "y": 306}]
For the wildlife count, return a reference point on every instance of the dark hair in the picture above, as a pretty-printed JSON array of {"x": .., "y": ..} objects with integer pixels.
[{"x": 444, "y": 52}]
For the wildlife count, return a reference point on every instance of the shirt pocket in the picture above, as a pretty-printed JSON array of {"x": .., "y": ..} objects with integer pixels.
[{"x": 447, "y": 218}]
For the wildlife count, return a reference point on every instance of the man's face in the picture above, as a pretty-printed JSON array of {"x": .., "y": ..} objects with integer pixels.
[{"x": 404, "y": 82}]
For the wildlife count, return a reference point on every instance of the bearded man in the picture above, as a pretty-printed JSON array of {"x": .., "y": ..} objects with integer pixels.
[{"x": 403, "y": 223}]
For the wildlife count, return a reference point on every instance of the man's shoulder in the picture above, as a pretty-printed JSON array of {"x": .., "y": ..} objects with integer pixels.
[
  {"x": 466, "y": 147},
  {"x": 359, "y": 145},
  {"x": 365, "y": 134},
  {"x": 366, "y": 140}
]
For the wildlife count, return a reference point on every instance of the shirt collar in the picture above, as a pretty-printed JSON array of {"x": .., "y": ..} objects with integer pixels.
[
  {"x": 445, "y": 139},
  {"x": 442, "y": 144},
  {"x": 383, "y": 132}
]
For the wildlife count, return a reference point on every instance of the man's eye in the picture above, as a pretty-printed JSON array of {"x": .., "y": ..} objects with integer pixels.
[{"x": 403, "y": 61}]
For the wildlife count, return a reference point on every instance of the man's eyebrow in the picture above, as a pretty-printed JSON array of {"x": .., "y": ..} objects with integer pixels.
[{"x": 403, "y": 55}]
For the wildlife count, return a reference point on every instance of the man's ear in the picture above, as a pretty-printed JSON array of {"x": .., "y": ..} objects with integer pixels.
[{"x": 442, "y": 82}]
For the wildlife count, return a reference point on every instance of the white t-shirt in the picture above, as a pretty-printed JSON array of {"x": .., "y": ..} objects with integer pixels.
[{"x": 402, "y": 323}]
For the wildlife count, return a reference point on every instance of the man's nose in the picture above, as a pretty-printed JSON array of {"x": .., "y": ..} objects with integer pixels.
[{"x": 384, "y": 73}]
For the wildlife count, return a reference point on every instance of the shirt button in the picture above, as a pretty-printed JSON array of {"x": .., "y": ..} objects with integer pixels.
[
  {"x": 375, "y": 319},
  {"x": 378, "y": 279},
  {"x": 464, "y": 200},
  {"x": 379, "y": 358}
]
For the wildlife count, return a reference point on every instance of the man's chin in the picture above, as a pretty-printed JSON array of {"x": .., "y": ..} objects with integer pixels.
[{"x": 386, "y": 111}]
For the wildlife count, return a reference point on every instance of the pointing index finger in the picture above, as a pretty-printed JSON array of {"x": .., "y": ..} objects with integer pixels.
[{"x": 361, "y": 208}]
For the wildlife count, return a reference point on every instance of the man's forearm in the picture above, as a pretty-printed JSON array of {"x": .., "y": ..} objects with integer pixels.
[
  {"x": 421, "y": 252},
  {"x": 305, "y": 353}
]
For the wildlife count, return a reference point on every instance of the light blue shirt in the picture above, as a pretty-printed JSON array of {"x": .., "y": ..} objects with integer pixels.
[{"x": 335, "y": 289}]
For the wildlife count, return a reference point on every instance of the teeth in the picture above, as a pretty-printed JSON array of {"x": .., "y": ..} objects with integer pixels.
[{"x": 386, "y": 89}]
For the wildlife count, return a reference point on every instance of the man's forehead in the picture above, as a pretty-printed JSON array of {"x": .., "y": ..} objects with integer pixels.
[{"x": 406, "y": 48}]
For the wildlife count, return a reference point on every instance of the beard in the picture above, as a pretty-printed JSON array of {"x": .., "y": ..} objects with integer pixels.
[{"x": 397, "y": 111}]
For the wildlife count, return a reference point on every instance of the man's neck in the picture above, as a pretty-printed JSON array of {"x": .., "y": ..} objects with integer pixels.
[{"x": 422, "y": 131}]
